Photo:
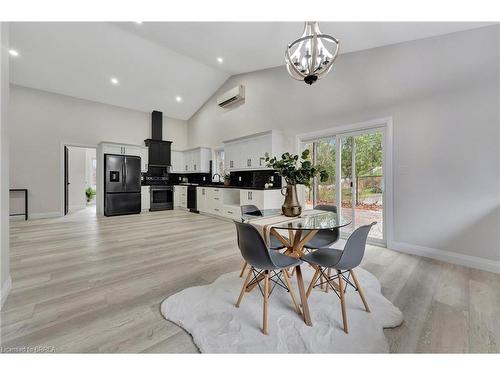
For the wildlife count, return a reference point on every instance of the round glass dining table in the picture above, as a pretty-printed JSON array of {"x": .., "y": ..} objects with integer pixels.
[{"x": 300, "y": 230}]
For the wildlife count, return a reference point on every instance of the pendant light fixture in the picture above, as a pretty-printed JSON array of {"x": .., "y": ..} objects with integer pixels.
[{"x": 311, "y": 57}]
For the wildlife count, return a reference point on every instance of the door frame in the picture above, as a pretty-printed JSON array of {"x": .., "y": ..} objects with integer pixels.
[
  {"x": 62, "y": 186},
  {"x": 386, "y": 124}
]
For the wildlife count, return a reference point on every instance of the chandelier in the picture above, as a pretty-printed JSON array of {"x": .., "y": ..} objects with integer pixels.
[{"x": 311, "y": 57}]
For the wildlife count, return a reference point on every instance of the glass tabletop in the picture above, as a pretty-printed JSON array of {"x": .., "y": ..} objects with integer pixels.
[{"x": 307, "y": 221}]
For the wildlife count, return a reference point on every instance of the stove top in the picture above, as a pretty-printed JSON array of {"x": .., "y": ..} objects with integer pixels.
[{"x": 154, "y": 180}]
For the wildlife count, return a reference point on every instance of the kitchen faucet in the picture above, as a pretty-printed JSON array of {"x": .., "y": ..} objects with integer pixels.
[{"x": 218, "y": 175}]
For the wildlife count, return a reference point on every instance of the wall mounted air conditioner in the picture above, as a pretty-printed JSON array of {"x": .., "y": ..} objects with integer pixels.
[{"x": 232, "y": 96}]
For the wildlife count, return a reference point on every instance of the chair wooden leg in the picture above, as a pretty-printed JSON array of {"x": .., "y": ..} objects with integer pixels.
[
  {"x": 243, "y": 269},
  {"x": 329, "y": 274},
  {"x": 313, "y": 281},
  {"x": 293, "y": 272},
  {"x": 292, "y": 294},
  {"x": 342, "y": 300},
  {"x": 266, "y": 299},
  {"x": 244, "y": 287},
  {"x": 360, "y": 291}
]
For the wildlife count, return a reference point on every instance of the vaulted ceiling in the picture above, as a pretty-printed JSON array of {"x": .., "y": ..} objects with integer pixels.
[{"x": 158, "y": 62}]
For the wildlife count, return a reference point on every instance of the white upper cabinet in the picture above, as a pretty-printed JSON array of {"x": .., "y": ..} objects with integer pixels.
[
  {"x": 249, "y": 152},
  {"x": 177, "y": 161},
  {"x": 112, "y": 148},
  {"x": 196, "y": 160},
  {"x": 130, "y": 150},
  {"x": 144, "y": 159}
]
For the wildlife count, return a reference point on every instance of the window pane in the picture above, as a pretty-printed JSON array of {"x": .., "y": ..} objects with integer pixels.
[
  {"x": 346, "y": 181},
  {"x": 325, "y": 157},
  {"x": 369, "y": 182},
  {"x": 308, "y": 192}
]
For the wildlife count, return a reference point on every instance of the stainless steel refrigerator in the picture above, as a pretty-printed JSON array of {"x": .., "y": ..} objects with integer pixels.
[{"x": 122, "y": 185}]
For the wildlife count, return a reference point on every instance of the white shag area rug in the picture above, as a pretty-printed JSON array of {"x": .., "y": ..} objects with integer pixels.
[{"x": 217, "y": 326}]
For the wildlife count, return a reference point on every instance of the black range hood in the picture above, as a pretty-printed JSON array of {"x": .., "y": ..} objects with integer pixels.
[{"x": 159, "y": 150}]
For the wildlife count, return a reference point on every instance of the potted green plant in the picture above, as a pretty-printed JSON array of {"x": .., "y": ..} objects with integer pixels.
[
  {"x": 227, "y": 179},
  {"x": 296, "y": 170},
  {"x": 90, "y": 194}
]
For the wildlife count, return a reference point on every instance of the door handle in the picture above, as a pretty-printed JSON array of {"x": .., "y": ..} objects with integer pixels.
[{"x": 123, "y": 175}]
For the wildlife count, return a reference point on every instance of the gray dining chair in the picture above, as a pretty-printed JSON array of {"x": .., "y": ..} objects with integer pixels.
[
  {"x": 343, "y": 261},
  {"x": 274, "y": 243},
  {"x": 324, "y": 237},
  {"x": 265, "y": 265}
]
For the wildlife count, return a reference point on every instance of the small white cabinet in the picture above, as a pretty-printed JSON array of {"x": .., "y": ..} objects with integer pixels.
[
  {"x": 144, "y": 159},
  {"x": 249, "y": 152},
  {"x": 201, "y": 195},
  {"x": 177, "y": 161},
  {"x": 263, "y": 199},
  {"x": 145, "y": 198},
  {"x": 180, "y": 196},
  {"x": 112, "y": 148}
]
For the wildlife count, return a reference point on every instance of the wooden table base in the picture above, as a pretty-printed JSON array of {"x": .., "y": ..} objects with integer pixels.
[{"x": 294, "y": 248}]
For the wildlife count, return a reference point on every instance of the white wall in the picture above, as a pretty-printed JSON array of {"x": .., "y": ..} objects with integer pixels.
[
  {"x": 443, "y": 96},
  {"x": 77, "y": 176},
  {"x": 5, "y": 280},
  {"x": 42, "y": 121},
  {"x": 90, "y": 153}
]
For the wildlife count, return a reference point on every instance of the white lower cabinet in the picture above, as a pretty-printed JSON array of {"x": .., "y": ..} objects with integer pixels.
[
  {"x": 213, "y": 202},
  {"x": 145, "y": 198},
  {"x": 231, "y": 212},
  {"x": 180, "y": 196},
  {"x": 222, "y": 202},
  {"x": 263, "y": 199},
  {"x": 201, "y": 194}
]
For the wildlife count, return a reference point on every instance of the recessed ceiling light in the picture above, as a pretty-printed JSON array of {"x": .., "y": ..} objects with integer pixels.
[
  {"x": 13, "y": 52},
  {"x": 178, "y": 99},
  {"x": 114, "y": 81},
  {"x": 138, "y": 22},
  {"x": 220, "y": 60}
]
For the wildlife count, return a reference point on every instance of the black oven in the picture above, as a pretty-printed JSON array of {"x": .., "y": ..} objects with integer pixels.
[{"x": 162, "y": 198}]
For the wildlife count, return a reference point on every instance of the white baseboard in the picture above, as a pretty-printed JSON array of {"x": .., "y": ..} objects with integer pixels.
[
  {"x": 77, "y": 207},
  {"x": 447, "y": 256},
  {"x": 44, "y": 215},
  {"x": 4, "y": 291}
]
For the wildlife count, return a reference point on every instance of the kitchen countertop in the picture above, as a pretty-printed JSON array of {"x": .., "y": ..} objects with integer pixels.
[{"x": 233, "y": 187}]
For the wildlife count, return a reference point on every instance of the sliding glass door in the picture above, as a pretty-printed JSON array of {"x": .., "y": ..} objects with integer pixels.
[
  {"x": 354, "y": 162},
  {"x": 323, "y": 152}
]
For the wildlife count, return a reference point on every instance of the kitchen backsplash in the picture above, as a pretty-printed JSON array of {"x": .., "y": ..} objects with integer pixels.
[
  {"x": 255, "y": 178},
  {"x": 197, "y": 178}
]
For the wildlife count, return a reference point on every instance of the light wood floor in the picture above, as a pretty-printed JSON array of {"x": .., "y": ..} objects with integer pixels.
[{"x": 83, "y": 284}]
